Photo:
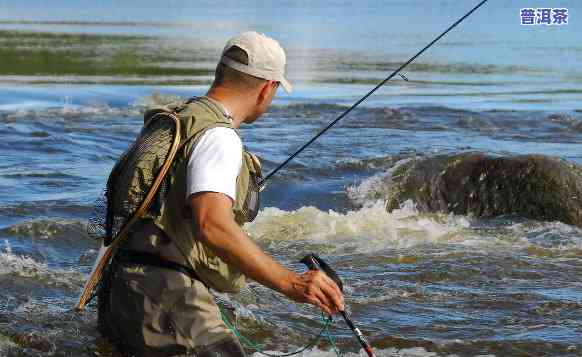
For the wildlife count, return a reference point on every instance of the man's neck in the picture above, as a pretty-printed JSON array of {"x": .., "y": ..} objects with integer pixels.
[{"x": 234, "y": 106}]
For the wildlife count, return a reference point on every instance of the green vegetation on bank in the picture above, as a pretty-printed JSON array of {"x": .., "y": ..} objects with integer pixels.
[{"x": 25, "y": 53}]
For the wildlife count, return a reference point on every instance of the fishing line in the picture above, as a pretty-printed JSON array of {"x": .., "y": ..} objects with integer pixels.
[
  {"x": 325, "y": 331},
  {"x": 341, "y": 116}
]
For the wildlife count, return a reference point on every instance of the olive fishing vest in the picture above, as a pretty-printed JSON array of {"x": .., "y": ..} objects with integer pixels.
[{"x": 174, "y": 216}]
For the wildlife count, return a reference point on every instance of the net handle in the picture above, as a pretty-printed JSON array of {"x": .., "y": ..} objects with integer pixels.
[{"x": 97, "y": 273}]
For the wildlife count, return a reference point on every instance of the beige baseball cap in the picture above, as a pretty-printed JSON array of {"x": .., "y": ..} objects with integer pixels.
[{"x": 266, "y": 57}]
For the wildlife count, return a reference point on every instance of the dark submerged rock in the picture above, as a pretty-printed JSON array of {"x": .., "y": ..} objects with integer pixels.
[{"x": 533, "y": 186}]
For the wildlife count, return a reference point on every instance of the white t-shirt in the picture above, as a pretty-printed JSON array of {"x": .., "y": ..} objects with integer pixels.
[{"x": 215, "y": 163}]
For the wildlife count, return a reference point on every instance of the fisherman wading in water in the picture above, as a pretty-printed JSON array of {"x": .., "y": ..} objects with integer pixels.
[{"x": 156, "y": 300}]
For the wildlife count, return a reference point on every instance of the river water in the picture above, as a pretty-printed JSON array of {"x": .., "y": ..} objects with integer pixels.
[{"x": 75, "y": 78}]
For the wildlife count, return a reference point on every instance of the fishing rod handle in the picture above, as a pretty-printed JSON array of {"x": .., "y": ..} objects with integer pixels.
[{"x": 314, "y": 262}]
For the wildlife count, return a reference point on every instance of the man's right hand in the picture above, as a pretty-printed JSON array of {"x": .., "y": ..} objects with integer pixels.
[
  {"x": 316, "y": 288},
  {"x": 215, "y": 226}
]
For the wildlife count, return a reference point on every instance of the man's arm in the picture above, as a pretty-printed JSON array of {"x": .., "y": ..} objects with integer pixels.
[{"x": 215, "y": 226}]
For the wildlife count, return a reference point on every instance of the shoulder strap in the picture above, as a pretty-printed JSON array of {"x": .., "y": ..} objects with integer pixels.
[
  {"x": 211, "y": 107},
  {"x": 214, "y": 108}
]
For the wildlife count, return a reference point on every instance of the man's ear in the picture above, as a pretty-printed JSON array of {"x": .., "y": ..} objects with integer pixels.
[{"x": 264, "y": 92}]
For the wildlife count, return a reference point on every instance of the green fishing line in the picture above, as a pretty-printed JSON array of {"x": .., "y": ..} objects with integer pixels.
[{"x": 247, "y": 342}]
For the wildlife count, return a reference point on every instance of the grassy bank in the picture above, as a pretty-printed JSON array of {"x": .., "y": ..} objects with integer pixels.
[{"x": 81, "y": 56}]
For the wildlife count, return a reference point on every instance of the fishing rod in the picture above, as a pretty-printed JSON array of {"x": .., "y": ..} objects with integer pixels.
[
  {"x": 347, "y": 111},
  {"x": 314, "y": 262}
]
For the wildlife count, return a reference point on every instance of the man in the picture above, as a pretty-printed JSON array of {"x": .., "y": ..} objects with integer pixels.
[{"x": 157, "y": 301}]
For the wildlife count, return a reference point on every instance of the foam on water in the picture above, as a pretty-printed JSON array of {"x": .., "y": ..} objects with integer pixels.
[
  {"x": 388, "y": 352},
  {"x": 69, "y": 112},
  {"x": 371, "y": 227},
  {"x": 63, "y": 108},
  {"x": 373, "y": 188},
  {"x": 19, "y": 265},
  {"x": 26, "y": 267}
]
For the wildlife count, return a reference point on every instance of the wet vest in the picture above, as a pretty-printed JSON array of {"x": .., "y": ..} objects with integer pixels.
[{"x": 174, "y": 215}]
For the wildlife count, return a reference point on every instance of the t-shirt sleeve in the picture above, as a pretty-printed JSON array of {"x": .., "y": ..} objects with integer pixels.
[{"x": 215, "y": 163}]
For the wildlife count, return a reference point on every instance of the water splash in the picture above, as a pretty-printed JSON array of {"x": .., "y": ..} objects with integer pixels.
[
  {"x": 374, "y": 188},
  {"x": 369, "y": 228},
  {"x": 389, "y": 352},
  {"x": 21, "y": 268}
]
